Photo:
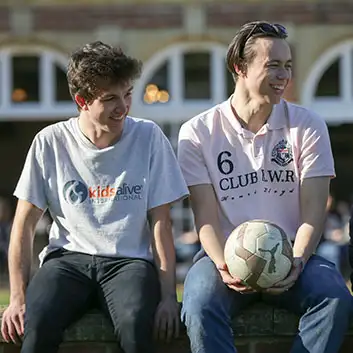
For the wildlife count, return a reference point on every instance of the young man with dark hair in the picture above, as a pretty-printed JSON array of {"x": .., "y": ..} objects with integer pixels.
[
  {"x": 256, "y": 156},
  {"x": 107, "y": 180}
]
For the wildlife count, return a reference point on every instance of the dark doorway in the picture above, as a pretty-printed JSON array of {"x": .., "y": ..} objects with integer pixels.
[{"x": 342, "y": 146}]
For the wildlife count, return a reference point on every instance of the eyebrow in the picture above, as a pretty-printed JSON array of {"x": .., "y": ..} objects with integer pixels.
[
  {"x": 279, "y": 61},
  {"x": 109, "y": 95}
]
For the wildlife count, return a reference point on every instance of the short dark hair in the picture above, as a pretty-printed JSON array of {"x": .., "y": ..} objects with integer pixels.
[
  {"x": 97, "y": 65},
  {"x": 240, "y": 50}
]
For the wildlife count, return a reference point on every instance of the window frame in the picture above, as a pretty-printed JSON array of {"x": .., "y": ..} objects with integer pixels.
[
  {"x": 47, "y": 108},
  {"x": 335, "y": 110},
  {"x": 178, "y": 108}
]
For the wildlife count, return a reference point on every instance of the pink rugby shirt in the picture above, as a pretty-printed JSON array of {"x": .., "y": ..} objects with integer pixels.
[{"x": 256, "y": 176}]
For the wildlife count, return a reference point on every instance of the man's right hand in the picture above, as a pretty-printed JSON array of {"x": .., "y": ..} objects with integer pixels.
[
  {"x": 12, "y": 325},
  {"x": 232, "y": 282}
]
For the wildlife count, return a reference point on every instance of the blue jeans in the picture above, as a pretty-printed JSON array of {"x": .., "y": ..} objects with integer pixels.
[
  {"x": 320, "y": 296},
  {"x": 330, "y": 251},
  {"x": 68, "y": 284}
]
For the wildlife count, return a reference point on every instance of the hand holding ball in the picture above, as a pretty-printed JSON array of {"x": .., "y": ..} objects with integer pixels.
[{"x": 259, "y": 253}]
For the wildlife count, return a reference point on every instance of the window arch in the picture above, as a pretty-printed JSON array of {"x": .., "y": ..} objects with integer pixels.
[
  {"x": 33, "y": 84},
  {"x": 328, "y": 90},
  {"x": 182, "y": 81},
  {"x": 177, "y": 84}
]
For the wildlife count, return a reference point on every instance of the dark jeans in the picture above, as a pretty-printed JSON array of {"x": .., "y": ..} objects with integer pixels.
[{"x": 68, "y": 284}]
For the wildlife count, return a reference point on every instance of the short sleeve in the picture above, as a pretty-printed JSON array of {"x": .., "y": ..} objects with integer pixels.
[
  {"x": 166, "y": 182},
  {"x": 316, "y": 157},
  {"x": 190, "y": 157},
  {"x": 31, "y": 184}
]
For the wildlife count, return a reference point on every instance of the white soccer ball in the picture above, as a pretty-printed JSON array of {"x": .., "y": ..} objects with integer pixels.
[{"x": 260, "y": 253}]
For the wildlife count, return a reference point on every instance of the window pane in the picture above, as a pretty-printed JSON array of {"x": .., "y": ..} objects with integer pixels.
[
  {"x": 62, "y": 93},
  {"x": 157, "y": 89},
  {"x": 329, "y": 85},
  {"x": 25, "y": 76},
  {"x": 229, "y": 82},
  {"x": 197, "y": 78}
]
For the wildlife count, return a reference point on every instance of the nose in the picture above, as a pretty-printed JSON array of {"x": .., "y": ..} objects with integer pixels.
[
  {"x": 283, "y": 74},
  {"x": 121, "y": 105}
]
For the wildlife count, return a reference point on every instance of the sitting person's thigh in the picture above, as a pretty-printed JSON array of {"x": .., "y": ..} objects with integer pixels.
[
  {"x": 320, "y": 281},
  {"x": 59, "y": 292},
  {"x": 129, "y": 286}
]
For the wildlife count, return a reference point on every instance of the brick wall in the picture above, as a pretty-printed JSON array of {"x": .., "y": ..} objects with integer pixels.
[
  {"x": 297, "y": 12},
  {"x": 78, "y": 18},
  {"x": 164, "y": 15},
  {"x": 4, "y": 18}
]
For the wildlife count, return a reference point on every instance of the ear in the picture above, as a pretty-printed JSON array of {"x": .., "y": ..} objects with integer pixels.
[
  {"x": 81, "y": 102},
  {"x": 239, "y": 70}
]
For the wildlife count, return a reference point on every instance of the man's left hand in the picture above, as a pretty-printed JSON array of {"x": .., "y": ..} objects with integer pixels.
[
  {"x": 290, "y": 280},
  {"x": 167, "y": 319}
]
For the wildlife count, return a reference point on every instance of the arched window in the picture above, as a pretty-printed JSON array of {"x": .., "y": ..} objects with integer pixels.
[
  {"x": 182, "y": 81},
  {"x": 328, "y": 89},
  {"x": 177, "y": 84},
  {"x": 33, "y": 84}
]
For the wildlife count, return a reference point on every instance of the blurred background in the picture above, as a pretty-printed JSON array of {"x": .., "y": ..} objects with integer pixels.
[{"x": 182, "y": 44}]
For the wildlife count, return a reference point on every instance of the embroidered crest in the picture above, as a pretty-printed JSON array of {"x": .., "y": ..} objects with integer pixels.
[{"x": 282, "y": 153}]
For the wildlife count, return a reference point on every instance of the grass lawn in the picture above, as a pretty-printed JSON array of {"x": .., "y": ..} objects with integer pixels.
[{"x": 4, "y": 296}]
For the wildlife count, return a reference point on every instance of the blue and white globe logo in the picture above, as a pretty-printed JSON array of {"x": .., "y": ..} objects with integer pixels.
[{"x": 75, "y": 192}]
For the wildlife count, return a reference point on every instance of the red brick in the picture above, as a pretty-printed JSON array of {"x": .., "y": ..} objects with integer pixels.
[
  {"x": 298, "y": 12},
  {"x": 4, "y": 19},
  {"x": 81, "y": 18}
]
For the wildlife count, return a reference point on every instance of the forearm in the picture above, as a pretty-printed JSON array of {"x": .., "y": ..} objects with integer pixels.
[
  {"x": 164, "y": 255},
  {"x": 212, "y": 242},
  {"x": 306, "y": 241},
  {"x": 20, "y": 259},
  {"x": 205, "y": 208},
  {"x": 313, "y": 198}
]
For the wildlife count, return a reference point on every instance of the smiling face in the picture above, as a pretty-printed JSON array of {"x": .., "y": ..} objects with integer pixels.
[
  {"x": 270, "y": 71},
  {"x": 107, "y": 112}
]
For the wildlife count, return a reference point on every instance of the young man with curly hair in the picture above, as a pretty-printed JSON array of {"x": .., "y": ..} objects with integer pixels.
[{"x": 107, "y": 180}]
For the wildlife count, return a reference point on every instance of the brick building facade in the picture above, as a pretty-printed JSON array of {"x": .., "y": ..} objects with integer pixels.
[{"x": 182, "y": 44}]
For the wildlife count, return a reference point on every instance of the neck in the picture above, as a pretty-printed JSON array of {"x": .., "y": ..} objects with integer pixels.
[
  {"x": 96, "y": 134},
  {"x": 251, "y": 112}
]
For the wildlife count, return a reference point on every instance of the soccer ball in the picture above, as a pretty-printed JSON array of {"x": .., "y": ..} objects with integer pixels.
[{"x": 259, "y": 253}]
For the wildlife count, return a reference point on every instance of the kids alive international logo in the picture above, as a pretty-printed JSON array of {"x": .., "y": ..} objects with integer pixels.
[
  {"x": 75, "y": 192},
  {"x": 282, "y": 153}
]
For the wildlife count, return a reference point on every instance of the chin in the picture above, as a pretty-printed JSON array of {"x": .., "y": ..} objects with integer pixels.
[{"x": 273, "y": 99}]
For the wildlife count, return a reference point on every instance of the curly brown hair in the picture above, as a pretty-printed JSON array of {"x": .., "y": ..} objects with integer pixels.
[
  {"x": 98, "y": 65},
  {"x": 241, "y": 50}
]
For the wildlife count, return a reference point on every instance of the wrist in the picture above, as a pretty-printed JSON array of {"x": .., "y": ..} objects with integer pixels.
[
  {"x": 300, "y": 263},
  {"x": 167, "y": 296},
  {"x": 17, "y": 299}
]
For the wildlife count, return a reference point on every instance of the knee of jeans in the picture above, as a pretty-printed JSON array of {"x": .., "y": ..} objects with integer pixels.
[
  {"x": 40, "y": 328},
  {"x": 136, "y": 319},
  {"x": 345, "y": 303},
  {"x": 341, "y": 305},
  {"x": 38, "y": 322},
  {"x": 196, "y": 310}
]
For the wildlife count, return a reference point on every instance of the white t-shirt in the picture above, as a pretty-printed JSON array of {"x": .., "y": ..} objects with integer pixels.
[
  {"x": 255, "y": 176},
  {"x": 99, "y": 198}
]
